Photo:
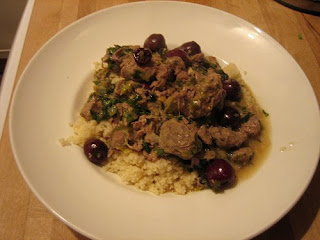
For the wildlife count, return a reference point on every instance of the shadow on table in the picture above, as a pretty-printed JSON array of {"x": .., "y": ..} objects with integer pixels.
[{"x": 296, "y": 223}]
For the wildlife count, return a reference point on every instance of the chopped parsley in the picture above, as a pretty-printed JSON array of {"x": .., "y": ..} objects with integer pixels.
[
  {"x": 129, "y": 116},
  {"x": 223, "y": 75},
  {"x": 146, "y": 147},
  {"x": 160, "y": 152},
  {"x": 137, "y": 75},
  {"x": 265, "y": 113},
  {"x": 98, "y": 115},
  {"x": 246, "y": 117}
]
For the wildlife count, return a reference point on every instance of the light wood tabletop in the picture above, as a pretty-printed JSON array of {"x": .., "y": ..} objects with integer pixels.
[{"x": 22, "y": 216}]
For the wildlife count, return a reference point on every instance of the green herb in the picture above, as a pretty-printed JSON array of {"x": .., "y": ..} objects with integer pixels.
[
  {"x": 102, "y": 92},
  {"x": 127, "y": 115},
  {"x": 127, "y": 49},
  {"x": 223, "y": 75},
  {"x": 125, "y": 88},
  {"x": 203, "y": 181},
  {"x": 179, "y": 117},
  {"x": 201, "y": 67},
  {"x": 112, "y": 110},
  {"x": 98, "y": 116},
  {"x": 242, "y": 108},
  {"x": 300, "y": 36},
  {"x": 162, "y": 105},
  {"x": 108, "y": 102},
  {"x": 103, "y": 86},
  {"x": 111, "y": 88},
  {"x": 121, "y": 99},
  {"x": 112, "y": 50},
  {"x": 229, "y": 154},
  {"x": 146, "y": 147},
  {"x": 214, "y": 66},
  {"x": 111, "y": 64},
  {"x": 197, "y": 147},
  {"x": 137, "y": 108},
  {"x": 91, "y": 96},
  {"x": 96, "y": 81},
  {"x": 160, "y": 152},
  {"x": 246, "y": 118},
  {"x": 200, "y": 70},
  {"x": 135, "y": 98},
  {"x": 265, "y": 113},
  {"x": 163, "y": 54},
  {"x": 137, "y": 75}
]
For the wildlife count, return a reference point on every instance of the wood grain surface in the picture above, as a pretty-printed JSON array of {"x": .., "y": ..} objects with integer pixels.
[{"x": 22, "y": 216}]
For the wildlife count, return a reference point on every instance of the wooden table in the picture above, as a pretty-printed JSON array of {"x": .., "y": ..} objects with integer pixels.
[{"x": 22, "y": 216}]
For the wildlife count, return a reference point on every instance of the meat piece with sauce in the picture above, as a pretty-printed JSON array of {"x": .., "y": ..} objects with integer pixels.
[
  {"x": 119, "y": 138},
  {"x": 222, "y": 137},
  {"x": 172, "y": 69},
  {"x": 179, "y": 138},
  {"x": 205, "y": 135},
  {"x": 227, "y": 138},
  {"x": 147, "y": 128},
  {"x": 130, "y": 70},
  {"x": 252, "y": 127},
  {"x": 242, "y": 156},
  {"x": 198, "y": 100}
]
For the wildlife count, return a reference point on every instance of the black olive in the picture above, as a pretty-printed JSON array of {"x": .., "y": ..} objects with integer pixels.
[
  {"x": 179, "y": 53},
  {"x": 233, "y": 90},
  {"x": 191, "y": 48},
  {"x": 219, "y": 174},
  {"x": 95, "y": 150},
  {"x": 142, "y": 56},
  {"x": 229, "y": 117},
  {"x": 155, "y": 42}
]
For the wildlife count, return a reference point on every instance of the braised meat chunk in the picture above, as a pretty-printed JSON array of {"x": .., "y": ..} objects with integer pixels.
[
  {"x": 179, "y": 138},
  {"x": 227, "y": 138},
  {"x": 119, "y": 138},
  {"x": 131, "y": 70},
  {"x": 198, "y": 100},
  {"x": 252, "y": 127},
  {"x": 242, "y": 155}
]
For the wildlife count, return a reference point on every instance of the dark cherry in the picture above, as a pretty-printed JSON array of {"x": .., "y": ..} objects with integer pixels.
[
  {"x": 229, "y": 117},
  {"x": 95, "y": 150},
  {"x": 180, "y": 53},
  {"x": 233, "y": 90},
  {"x": 191, "y": 48},
  {"x": 219, "y": 174},
  {"x": 142, "y": 56},
  {"x": 155, "y": 42}
]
